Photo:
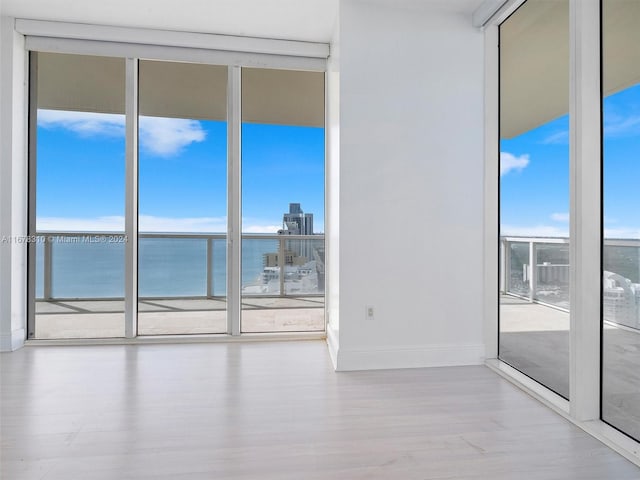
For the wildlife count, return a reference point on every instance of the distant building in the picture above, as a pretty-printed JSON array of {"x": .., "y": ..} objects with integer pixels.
[
  {"x": 302, "y": 261},
  {"x": 290, "y": 258},
  {"x": 621, "y": 300},
  {"x": 296, "y": 222}
]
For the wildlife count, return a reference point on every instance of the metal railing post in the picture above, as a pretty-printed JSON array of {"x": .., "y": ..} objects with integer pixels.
[
  {"x": 503, "y": 266},
  {"x": 209, "y": 267},
  {"x": 283, "y": 245},
  {"x": 282, "y": 264},
  {"x": 47, "y": 270},
  {"x": 533, "y": 271},
  {"x": 507, "y": 266}
]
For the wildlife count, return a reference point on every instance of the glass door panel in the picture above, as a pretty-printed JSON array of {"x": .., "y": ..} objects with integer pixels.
[
  {"x": 621, "y": 213},
  {"x": 79, "y": 196},
  {"x": 282, "y": 200},
  {"x": 534, "y": 192},
  {"x": 182, "y": 219}
]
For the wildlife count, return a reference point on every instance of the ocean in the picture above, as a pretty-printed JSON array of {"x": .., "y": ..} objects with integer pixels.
[
  {"x": 168, "y": 267},
  {"x": 177, "y": 267}
]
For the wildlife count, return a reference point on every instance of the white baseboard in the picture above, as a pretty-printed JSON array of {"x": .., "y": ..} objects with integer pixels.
[
  {"x": 12, "y": 341},
  {"x": 333, "y": 345},
  {"x": 411, "y": 357}
]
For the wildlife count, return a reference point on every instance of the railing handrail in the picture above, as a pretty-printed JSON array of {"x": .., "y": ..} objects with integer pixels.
[
  {"x": 51, "y": 236},
  {"x": 202, "y": 235},
  {"x": 275, "y": 236},
  {"x": 515, "y": 239},
  {"x": 614, "y": 242},
  {"x": 533, "y": 269}
]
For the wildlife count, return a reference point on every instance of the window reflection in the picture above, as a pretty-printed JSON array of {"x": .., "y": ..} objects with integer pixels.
[
  {"x": 621, "y": 209},
  {"x": 534, "y": 192}
]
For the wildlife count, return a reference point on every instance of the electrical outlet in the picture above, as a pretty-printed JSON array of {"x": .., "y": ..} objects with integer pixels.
[{"x": 369, "y": 312}]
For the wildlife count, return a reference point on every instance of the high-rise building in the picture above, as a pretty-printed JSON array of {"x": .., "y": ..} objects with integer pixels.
[{"x": 296, "y": 222}]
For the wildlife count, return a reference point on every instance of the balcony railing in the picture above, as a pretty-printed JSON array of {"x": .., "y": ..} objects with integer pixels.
[
  {"x": 90, "y": 265},
  {"x": 548, "y": 281}
]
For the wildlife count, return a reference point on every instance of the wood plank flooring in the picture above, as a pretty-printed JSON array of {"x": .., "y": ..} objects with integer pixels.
[{"x": 275, "y": 411}]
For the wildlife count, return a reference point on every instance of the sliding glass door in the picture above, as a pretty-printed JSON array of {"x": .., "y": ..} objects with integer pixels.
[
  {"x": 182, "y": 198},
  {"x": 77, "y": 196},
  {"x": 534, "y": 192},
  {"x": 148, "y": 141},
  {"x": 534, "y": 213},
  {"x": 621, "y": 213},
  {"x": 282, "y": 200}
]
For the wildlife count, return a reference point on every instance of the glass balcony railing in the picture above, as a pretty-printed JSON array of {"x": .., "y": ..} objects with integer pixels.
[
  {"x": 176, "y": 265},
  {"x": 548, "y": 281},
  {"x": 182, "y": 284},
  {"x": 282, "y": 265}
]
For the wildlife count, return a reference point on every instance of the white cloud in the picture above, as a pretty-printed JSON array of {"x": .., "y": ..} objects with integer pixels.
[
  {"x": 167, "y": 136},
  {"x": 622, "y": 232},
  {"x": 560, "y": 217},
  {"x": 615, "y": 126},
  {"x": 561, "y": 137},
  {"x": 563, "y": 232},
  {"x": 533, "y": 231},
  {"x": 261, "y": 228},
  {"x": 150, "y": 223},
  {"x": 620, "y": 126},
  {"x": 509, "y": 162},
  {"x": 99, "y": 224},
  {"x": 158, "y": 136},
  {"x": 146, "y": 223},
  {"x": 85, "y": 124}
]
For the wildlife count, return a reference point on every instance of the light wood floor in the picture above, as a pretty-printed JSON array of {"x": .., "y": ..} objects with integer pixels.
[{"x": 275, "y": 411}]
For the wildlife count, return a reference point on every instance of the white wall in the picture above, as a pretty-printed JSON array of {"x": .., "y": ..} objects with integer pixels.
[
  {"x": 411, "y": 189},
  {"x": 13, "y": 192},
  {"x": 404, "y": 197}
]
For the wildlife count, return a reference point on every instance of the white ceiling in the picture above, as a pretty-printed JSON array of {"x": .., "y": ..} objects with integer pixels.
[
  {"x": 463, "y": 7},
  {"x": 307, "y": 20}
]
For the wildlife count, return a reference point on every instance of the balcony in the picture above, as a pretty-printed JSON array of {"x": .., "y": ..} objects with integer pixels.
[
  {"x": 534, "y": 318},
  {"x": 79, "y": 288},
  {"x": 548, "y": 283}
]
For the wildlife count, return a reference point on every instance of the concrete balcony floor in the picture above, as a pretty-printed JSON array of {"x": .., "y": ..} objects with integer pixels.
[
  {"x": 535, "y": 340},
  {"x": 105, "y": 318}
]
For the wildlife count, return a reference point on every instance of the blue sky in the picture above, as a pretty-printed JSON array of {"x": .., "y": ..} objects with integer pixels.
[
  {"x": 534, "y": 179},
  {"x": 80, "y": 177},
  {"x": 182, "y": 173}
]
